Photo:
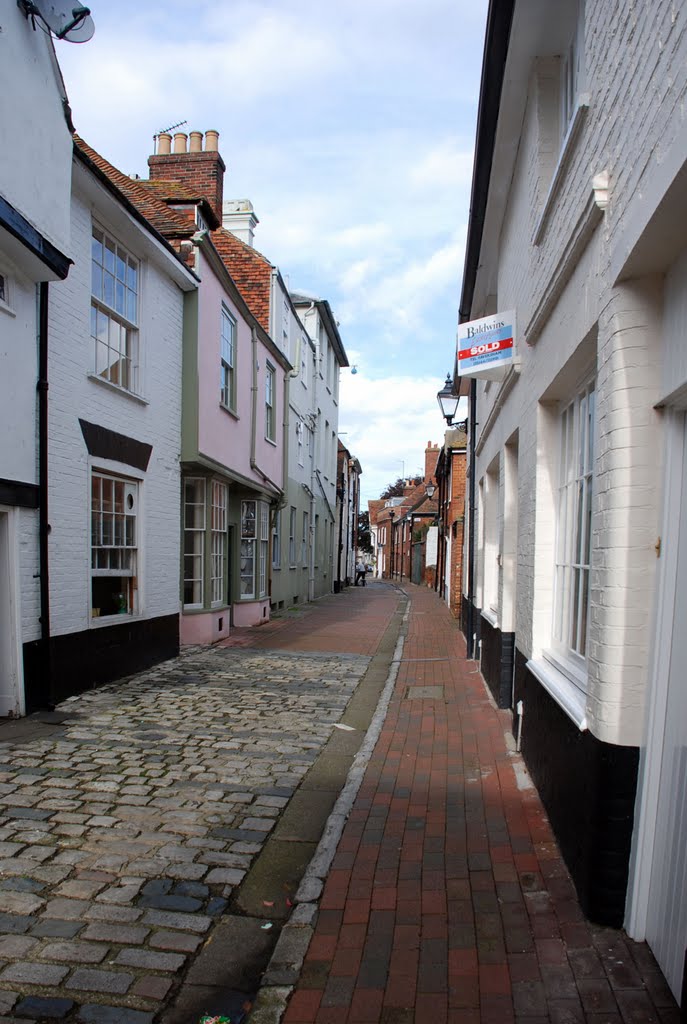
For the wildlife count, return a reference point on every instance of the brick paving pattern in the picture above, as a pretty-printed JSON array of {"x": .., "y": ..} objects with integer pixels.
[
  {"x": 447, "y": 901},
  {"x": 124, "y": 834}
]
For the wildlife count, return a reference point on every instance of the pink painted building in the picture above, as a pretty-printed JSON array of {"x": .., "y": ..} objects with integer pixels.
[{"x": 234, "y": 402}]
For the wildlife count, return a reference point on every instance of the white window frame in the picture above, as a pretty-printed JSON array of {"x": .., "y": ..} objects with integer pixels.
[
  {"x": 572, "y": 552},
  {"x": 115, "y": 297},
  {"x": 218, "y": 544},
  {"x": 247, "y": 566},
  {"x": 227, "y": 381},
  {"x": 264, "y": 511},
  {"x": 292, "y": 537},
  {"x": 305, "y": 349},
  {"x": 114, "y": 539},
  {"x": 270, "y": 404},
  {"x": 299, "y": 441},
  {"x": 196, "y": 534},
  {"x": 6, "y": 287},
  {"x": 571, "y": 75},
  {"x": 276, "y": 540},
  {"x": 304, "y": 539}
]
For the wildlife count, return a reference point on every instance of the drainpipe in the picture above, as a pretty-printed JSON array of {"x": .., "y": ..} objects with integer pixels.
[
  {"x": 472, "y": 429},
  {"x": 46, "y": 697}
]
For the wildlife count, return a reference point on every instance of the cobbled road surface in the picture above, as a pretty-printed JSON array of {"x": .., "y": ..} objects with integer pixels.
[{"x": 124, "y": 832}]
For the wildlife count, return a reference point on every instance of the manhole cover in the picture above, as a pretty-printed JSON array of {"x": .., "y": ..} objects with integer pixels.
[{"x": 425, "y": 693}]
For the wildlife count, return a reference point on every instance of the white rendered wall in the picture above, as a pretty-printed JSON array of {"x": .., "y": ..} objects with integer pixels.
[
  {"x": 155, "y": 420},
  {"x": 33, "y": 128},
  {"x": 636, "y": 67}
]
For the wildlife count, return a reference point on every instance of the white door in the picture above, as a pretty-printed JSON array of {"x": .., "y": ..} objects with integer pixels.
[{"x": 666, "y": 928}]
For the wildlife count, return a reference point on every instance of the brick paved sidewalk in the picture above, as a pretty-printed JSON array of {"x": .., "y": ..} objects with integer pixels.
[
  {"x": 447, "y": 899},
  {"x": 351, "y": 622}
]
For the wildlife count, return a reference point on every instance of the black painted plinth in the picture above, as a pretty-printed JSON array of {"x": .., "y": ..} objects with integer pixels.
[
  {"x": 80, "y": 661},
  {"x": 497, "y": 661},
  {"x": 588, "y": 788},
  {"x": 476, "y": 625}
]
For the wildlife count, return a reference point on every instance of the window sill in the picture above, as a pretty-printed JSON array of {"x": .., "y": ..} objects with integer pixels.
[
  {"x": 112, "y": 620},
  {"x": 271, "y": 441},
  {"x": 491, "y": 617},
  {"x": 5, "y": 308},
  {"x": 120, "y": 391},
  {"x": 556, "y": 678},
  {"x": 234, "y": 415}
]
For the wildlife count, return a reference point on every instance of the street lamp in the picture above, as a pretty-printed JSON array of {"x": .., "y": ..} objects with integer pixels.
[
  {"x": 448, "y": 400},
  {"x": 429, "y": 490}
]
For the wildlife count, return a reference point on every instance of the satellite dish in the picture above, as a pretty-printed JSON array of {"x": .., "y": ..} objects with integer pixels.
[{"x": 67, "y": 19}]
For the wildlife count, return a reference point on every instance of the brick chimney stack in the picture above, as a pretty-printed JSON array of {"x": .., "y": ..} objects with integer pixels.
[
  {"x": 201, "y": 170},
  {"x": 431, "y": 459}
]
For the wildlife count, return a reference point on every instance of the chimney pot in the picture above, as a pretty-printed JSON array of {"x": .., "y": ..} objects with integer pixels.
[
  {"x": 211, "y": 141},
  {"x": 180, "y": 142},
  {"x": 164, "y": 143},
  {"x": 195, "y": 142}
]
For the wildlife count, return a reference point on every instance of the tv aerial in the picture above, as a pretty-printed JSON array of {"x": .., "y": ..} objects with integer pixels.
[{"x": 65, "y": 19}]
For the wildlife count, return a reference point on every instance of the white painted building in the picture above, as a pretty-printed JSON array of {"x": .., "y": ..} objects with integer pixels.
[
  {"x": 116, "y": 329},
  {"x": 579, "y": 582},
  {"x": 317, "y": 406},
  {"x": 35, "y": 130}
]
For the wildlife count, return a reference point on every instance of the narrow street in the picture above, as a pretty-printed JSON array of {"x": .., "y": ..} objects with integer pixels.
[{"x": 157, "y": 835}]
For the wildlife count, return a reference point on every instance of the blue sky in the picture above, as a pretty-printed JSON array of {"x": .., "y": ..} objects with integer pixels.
[{"x": 350, "y": 127}]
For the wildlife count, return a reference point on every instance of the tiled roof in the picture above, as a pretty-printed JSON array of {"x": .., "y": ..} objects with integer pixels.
[
  {"x": 157, "y": 213},
  {"x": 251, "y": 271},
  {"x": 374, "y": 508}
]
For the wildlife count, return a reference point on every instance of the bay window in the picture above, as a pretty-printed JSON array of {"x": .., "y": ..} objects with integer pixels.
[
  {"x": 194, "y": 541},
  {"x": 218, "y": 543}
]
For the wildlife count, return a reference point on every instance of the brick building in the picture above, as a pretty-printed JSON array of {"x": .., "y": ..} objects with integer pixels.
[
  {"x": 450, "y": 500},
  {"x": 578, "y": 585},
  {"x": 404, "y": 530}
]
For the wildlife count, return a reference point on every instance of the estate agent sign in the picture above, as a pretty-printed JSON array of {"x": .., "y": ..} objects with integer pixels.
[{"x": 486, "y": 347}]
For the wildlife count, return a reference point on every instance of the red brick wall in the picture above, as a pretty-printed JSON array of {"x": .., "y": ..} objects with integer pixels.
[
  {"x": 455, "y": 516},
  {"x": 201, "y": 172}
]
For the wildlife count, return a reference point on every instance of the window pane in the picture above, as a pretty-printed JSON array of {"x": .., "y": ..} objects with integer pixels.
[
  {"x": 97, "y": 280},
  {"x": 97, "y": 246}
]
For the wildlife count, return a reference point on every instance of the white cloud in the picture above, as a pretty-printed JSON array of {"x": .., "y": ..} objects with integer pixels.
[
  {"x": 446, "y": 166},
  {"x": 387, "y": 423},
  {"x": 349, "y": 127}
]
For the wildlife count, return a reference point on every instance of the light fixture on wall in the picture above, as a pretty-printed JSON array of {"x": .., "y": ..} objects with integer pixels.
[
  {"x": 448, "y": 400},
  {"x": 429, "y": 490}
]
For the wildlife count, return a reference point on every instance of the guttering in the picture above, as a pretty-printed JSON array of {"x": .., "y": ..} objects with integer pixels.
[
  {"x": 497, "y": 37},
  {"x": 40, "y": 247}
]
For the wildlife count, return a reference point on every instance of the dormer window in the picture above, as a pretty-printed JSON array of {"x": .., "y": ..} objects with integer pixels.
[{"x": 201, "y": 222}]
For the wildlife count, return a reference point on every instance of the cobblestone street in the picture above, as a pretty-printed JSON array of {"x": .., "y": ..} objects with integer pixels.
[{"x": 129, "y": 817}]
